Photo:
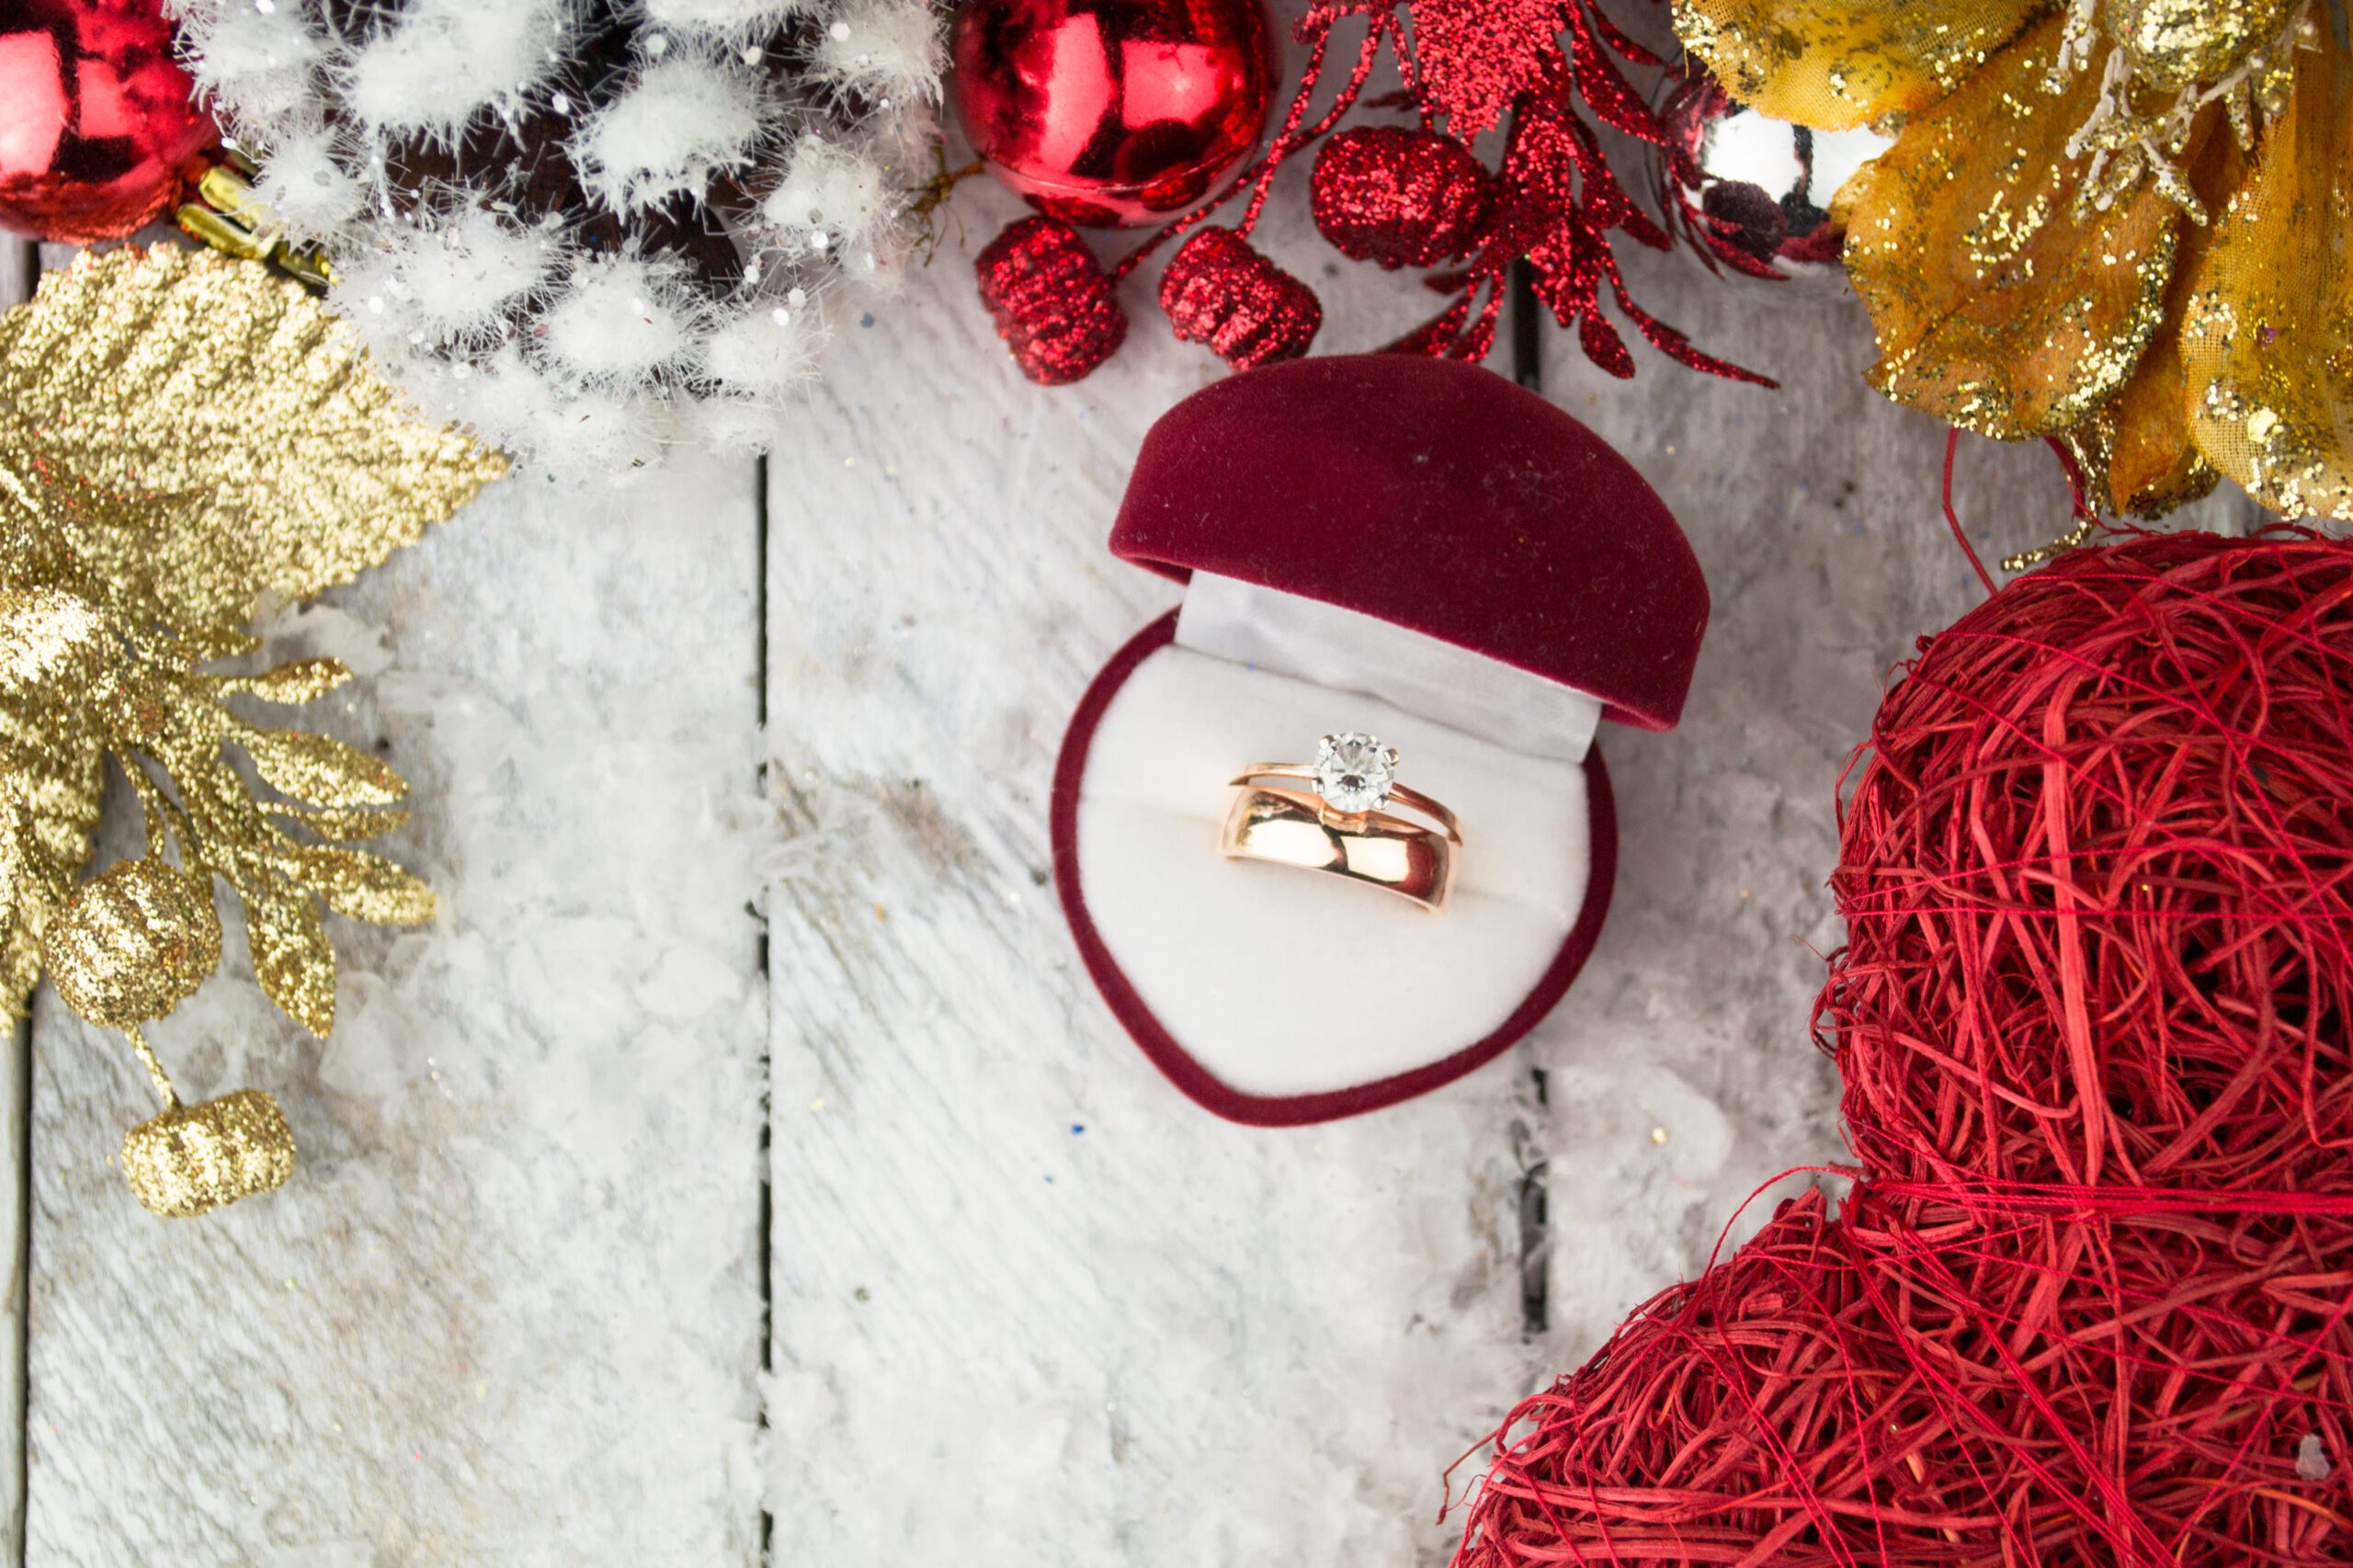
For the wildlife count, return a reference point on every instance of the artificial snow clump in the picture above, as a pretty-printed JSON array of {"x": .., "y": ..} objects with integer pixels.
[
  {"x": 881, "y": 49},
  {"x": 456, "y": 285},
  {"x": 832, "y": 199},
  {"x": 622, "y": 320},
  {"x": 305, "y": 185},
  {"x": 687, "y": 118},
  {"x": 590, "y": 229}
]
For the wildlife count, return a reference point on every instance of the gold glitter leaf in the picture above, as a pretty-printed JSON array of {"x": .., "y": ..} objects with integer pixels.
[
  {"x": 174, "y": 372},
  {"x": 1836, "y": 63},
  {"x": 2268, "y": 342},
  {"x": 299, "y": 681},
  {"x": 363, "y": 886},
  {"x": 1997, "y": 307},
  {"x": 321, "y": 769},
  {"x": 2149, "y": 463},
  {"x": 292, "y": 956},
  {"x": 343, "y": 827},
  {"x": 194, "y": 1158}
]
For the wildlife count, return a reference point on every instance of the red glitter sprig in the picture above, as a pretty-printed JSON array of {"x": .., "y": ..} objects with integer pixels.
[{"x": 1543, "y": 70}]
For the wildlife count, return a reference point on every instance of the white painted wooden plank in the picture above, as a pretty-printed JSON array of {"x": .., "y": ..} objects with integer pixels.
[
  {"x": 19, "y": 269},
  {"x": 1685, "y": 1078},
  {"x": 1031, "y": 1306},
  {"x": 507, "y": 1310}
]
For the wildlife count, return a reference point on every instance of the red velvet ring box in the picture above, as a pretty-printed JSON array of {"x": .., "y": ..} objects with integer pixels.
[{"x": 1421, "y": 551}]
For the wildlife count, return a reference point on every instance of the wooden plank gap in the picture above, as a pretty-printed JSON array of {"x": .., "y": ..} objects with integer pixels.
[
  {"x": 766, "y": 1078},
  {"x": 20, "y": 272},
  {"x": 1525, "y": 320},
  {"x": 1530, "y": 1151}
]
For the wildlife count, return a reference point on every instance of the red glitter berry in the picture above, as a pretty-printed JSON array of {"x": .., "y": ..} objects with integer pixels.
[
  {"x": 1220, "y": 291},
  {"x": 1400, "y": 196},
  {"x": 1053, "y": 306}
]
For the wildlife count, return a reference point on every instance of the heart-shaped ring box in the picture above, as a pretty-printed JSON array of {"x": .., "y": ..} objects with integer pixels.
[{"x": 1421, "y": 551}]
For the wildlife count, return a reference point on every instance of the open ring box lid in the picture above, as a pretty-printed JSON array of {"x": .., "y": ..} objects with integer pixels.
[{"x": 1418, "y": 550}]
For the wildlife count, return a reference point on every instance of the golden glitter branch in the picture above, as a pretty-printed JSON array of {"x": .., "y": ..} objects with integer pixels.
[
  {"x": 2126, "y": 224},
  {"x": 178, "y": 434}
]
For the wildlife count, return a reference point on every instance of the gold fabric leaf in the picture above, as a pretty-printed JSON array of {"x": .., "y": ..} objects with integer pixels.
[
  {"x": 1836, "y": 63},
  {"x": 363, "y": 886},
  {"x": 321, "y": 769},
  {"x": 1997, "y": 307},
  {"x": 2146, "y": 461},
  {"x": 292, "y": 956},
  {"x": 299, "y": 681},
  {"x": 2267, "y": 345},
  {"x": 175, "y": 373}
]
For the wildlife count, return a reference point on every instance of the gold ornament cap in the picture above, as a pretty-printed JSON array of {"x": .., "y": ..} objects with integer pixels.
[
  {"x": 133, "y": 943},
  {"x": 194, "y": 1158},
  {"x": 2173, "y": 44}
]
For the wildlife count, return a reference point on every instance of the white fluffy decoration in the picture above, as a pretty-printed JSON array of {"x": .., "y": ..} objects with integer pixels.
[
  {"x": 620, "y": 323},
  {"x": 832, "y": 199},
  {"x": 687, "y": 118},
  {"x": 444, "y": 59},
  {"x": 590, "y": 233}
]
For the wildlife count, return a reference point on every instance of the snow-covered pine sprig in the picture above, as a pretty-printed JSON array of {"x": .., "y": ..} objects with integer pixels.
[{"x": 587, "y": 229}]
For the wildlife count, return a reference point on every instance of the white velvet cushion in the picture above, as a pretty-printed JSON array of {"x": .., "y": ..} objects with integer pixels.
[{"x": 1280, "y": 982}]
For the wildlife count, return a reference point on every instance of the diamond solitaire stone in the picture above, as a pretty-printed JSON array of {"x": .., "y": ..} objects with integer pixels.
[{"x": 1353, "y": 772}]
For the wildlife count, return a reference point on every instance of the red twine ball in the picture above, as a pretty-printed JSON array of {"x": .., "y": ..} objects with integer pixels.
[
  {"x": 2091, "y": 1301},
  {"x": 2097, "y": 876},
  {"x": 1895, "y": 1387},
  {"x": 1217, "y": 290},
  {"x": 1053, "y": 306},
  {"x": 1400, "y": 196},
  {"x": 97, "y": 123}
]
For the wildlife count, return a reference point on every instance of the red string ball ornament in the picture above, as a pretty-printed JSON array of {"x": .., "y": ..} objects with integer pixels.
[
  {"x": 1219, "y": 290},
  {"x": 1901, "y": 1386},
  {"x": 1400, "y": 196},
  {"x": 2092, "y": 1299},
  {"x": 1053, "y": 306},
  {"x": 2097, "y": 869}
]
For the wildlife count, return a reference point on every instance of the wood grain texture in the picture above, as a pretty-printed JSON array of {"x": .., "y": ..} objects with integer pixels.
[
  {"x": 1031, "y": 1306},
  {"x": 1681, "y": 1071},
  {"x": 507, "y": 1310},
  {"x": 19, "y": 270}
]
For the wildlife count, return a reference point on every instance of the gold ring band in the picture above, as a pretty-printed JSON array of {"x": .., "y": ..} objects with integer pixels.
[{"x": 1344, "y": 826}]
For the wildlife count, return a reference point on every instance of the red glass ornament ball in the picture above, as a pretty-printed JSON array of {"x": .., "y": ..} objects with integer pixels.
[
  {"x": 1105, "y": 112},
  {"x": 97, "y": 124}
]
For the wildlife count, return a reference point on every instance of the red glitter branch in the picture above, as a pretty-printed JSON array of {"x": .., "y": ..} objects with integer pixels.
[{"x": 1537, "y": 68}]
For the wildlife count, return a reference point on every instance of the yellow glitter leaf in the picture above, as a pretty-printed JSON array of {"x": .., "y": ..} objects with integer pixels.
[
  {"x": 174, "y": 372},
  {"x": 363, "y": 886},
  {"x": 2268, "y": 342},
  {"x": 292, "y": 956},
  {"x": 1836, "y": 63},
  {"x": 1997, "y": 307},
  {"x": 321, "y": 769},
  {"x": 298, "y": 682},
  {"x": 343, "y": 826}
]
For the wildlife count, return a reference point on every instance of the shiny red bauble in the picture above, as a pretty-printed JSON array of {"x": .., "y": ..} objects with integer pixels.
[
  {"x": 98, "y": 126},
  {"x": 1111, "y": 111}
]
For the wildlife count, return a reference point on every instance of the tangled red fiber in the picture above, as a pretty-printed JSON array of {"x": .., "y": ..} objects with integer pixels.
[{"x": 2091, "y": 1300}]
